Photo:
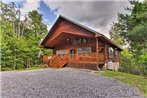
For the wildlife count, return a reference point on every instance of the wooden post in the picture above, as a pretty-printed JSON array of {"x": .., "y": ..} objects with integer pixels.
[
  {"x": 54, "y": 51},
  {"x": 114, "y": 61},
  {"x": 97, "y": 52},
  {"x": 119, "y": 58},
  {"x": 76, "y": 57},
  {"x": 114, "y": 54},
  {"x": 105, "y": 55}
]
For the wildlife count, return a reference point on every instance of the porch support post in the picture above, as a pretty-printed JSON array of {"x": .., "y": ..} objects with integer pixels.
[
  {"x": 105, "y": 55},
  {"x": 76, "y": 57},
  {"x": 97, "y": 52},
  {"x": 114, "y": 55},
  {"x": 54, "y": 51}
]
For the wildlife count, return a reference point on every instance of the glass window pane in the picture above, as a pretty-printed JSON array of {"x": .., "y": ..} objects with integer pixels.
[
  {"x": 62, "y": 52},
  {"x": 84, "y": 41},
  {"x": 74, "y": 42},
  {"x": 79, "y": 41},
  {"x": 116, "y": 52},
  {"x": 84, "y": 50},
  {"x": 110, "y": 52}
]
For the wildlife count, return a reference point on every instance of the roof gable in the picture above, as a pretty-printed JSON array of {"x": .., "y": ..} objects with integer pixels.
[{"x": 64, "y": 25}]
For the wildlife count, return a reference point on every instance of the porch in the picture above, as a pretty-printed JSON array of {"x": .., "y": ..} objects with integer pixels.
[
  {"x": 91, "y": 60},
  {"x": 74, "y": 60}
]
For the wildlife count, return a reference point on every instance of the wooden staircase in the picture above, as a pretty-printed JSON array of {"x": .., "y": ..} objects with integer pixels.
[{"x": 58, "y": 61}]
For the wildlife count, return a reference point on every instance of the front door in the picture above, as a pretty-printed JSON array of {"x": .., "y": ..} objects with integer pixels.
[{"x": 72, "y": 53}]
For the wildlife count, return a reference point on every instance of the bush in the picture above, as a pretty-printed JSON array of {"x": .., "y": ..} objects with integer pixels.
[
  {"x": 143, "y": 63},
  {"x": 126, "y": 61},
  {"x": 134, "y": 64},
  {"x": 6, "y": 69},
  {"x": 144, "y": 68},
  {"x": 121, "y": 70},
  {"x": 135, "y": 71}
]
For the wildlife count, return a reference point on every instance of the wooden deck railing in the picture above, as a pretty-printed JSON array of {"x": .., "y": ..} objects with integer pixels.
[
  {"x": 58, "y": 61},
  {"x": 90, "y": 57},
  {"x": 86, "y": 58}
]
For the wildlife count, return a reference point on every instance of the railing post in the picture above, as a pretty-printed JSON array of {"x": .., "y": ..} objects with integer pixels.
[
  {"x": 97, "y": 52},
  {"x": 105, "y": 56}
]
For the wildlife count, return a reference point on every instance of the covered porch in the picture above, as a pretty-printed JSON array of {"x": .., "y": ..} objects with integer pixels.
[{"x": 73, "y": 60}]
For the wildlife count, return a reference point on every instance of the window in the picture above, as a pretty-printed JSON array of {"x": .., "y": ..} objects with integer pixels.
[
  {"x": 84, "y": 41},
  {"x": 116, "y": 52},
  {"x": 61, "y": 52},
  {"x": 88, "y": 41},
  {"x": 84, "y": 50},
  {"x": 110, "y": 52},
  {"x": 79, "y": 41},
  {"x": 74, "y": 42}
]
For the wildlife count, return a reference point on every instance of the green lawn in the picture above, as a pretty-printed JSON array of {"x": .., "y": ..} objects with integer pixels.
[
  {"x": 134, "y": 80},
  {"x": 33, "y": 68},
  {"x": 29, "y": 68}
]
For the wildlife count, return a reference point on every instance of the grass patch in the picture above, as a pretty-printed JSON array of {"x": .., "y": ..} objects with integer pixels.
[
  {"x": 32, "y": 68},
  {"x": 29, "y": 68},
  {"x": 135, "y": 80}
]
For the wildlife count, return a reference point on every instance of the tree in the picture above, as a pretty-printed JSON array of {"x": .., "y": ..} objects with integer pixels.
[
  {"x": 20, "y": 38},
  {"x": 132, "y": 28}
]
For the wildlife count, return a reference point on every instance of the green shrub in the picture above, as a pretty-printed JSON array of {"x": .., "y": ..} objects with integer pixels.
[
  {"x": 6, "y": 69},
  {"x": 126, "y": 61},
  {"x": 143, "y": 63},
  {"x": 134, "y": 64}
]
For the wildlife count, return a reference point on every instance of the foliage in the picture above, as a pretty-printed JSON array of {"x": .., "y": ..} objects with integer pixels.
[
  {"x": 126, "y": 61},
  {"x": 135, "y": 80},
  {"x": 131, "y": 31},
  {"x": 32, "y": 68},
  {"x": 143, "y": 62},
  {"x": 20, "y": 38}
]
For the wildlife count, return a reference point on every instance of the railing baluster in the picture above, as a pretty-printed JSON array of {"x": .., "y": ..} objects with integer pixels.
[{"x": 59, "y": 61}]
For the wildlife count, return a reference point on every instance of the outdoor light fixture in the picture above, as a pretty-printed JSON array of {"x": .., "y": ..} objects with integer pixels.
[{"x": 67, "y": 39}]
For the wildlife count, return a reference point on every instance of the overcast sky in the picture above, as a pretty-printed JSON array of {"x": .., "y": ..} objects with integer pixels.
[{"x": 98, "y": 15}]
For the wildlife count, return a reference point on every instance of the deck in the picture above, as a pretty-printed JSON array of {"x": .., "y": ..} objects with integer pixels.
[{"x": 58, "y": 61}]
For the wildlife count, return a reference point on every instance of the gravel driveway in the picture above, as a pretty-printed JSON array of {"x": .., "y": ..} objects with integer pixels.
[{"x": 63, "y": 83}]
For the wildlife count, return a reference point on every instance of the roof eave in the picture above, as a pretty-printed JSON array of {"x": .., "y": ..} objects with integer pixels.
[{"x": 46, "y": 36}]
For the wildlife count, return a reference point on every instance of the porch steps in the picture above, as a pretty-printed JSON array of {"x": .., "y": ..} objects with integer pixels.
[{"x": 58, "y": 61}]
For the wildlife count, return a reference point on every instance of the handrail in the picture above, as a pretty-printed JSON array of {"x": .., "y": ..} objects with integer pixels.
[
  {"x": 59, "y": 61},
  {"x": 88, "y": 57},
  {"x": 52, "y": 59}
]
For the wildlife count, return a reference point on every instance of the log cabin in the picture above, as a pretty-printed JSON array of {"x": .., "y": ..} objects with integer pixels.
[{"x": 77, "y": 46}]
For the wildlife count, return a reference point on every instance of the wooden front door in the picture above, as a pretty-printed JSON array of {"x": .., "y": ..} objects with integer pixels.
[{"x": 72, "y": 53}]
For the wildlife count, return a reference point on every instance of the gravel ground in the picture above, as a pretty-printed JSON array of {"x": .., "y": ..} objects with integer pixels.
[{"x": 63, "y": 83}]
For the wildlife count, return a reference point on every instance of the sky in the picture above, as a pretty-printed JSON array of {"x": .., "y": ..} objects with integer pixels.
[{"x": 95, "y": 14}]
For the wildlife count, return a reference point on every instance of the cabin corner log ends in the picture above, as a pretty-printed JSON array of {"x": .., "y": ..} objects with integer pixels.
[{"x": 77, "y": 46}]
